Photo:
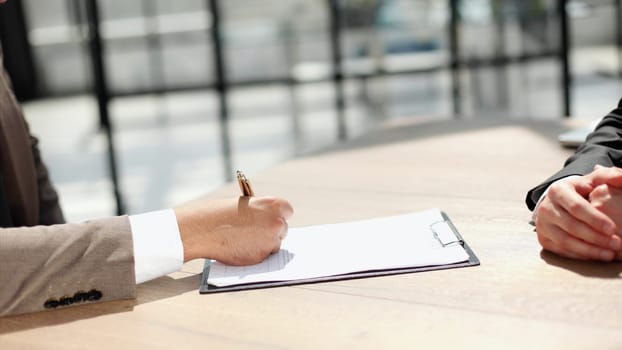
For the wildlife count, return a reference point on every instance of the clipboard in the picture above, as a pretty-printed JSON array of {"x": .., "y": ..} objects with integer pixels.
[{"x": 444, "y": 231}]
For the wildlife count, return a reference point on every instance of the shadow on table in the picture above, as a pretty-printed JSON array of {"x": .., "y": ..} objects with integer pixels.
[
  {"x": 584, "y": 268},
  {"x": 167, "y": 287},
  {"x": 158, "y": 289}
]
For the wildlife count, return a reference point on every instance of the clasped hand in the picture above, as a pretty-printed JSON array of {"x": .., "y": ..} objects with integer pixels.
[{"x": 581, "y": 217}]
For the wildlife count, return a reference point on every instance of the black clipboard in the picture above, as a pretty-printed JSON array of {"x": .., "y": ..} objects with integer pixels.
[{"x": 206, "y": 288}]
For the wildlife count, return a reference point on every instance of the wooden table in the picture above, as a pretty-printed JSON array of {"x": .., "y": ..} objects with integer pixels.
[{"x": 477, "y": 171}]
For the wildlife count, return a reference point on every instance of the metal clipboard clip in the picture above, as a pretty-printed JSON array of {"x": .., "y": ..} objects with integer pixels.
[{"x": 446, "y": 234}]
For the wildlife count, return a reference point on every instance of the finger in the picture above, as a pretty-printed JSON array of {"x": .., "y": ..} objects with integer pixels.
[
  {"x": 579, "y": 229},
  {"x": 286, "y": 209},
  {"x": 280, "y": 234},
  {"x": 277, "y": 246},
  {"x": 283, "y": 232},
  {"x": 557, "y": 250},
  {"x": 583, "y": 188},
  {"x": 579, "y": 208},
  {"x": 278, "y": 206},
  {"x": 603, "y": 175},
  {"x": 549, "y": 245},
  {"x": 599, "y": 195},
  {"x": 552, "y": 247},
  {"x": 567, "y": 245}
]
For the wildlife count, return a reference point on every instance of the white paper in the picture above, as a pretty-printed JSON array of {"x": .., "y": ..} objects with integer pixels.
[{"x": 327, "y": 250}]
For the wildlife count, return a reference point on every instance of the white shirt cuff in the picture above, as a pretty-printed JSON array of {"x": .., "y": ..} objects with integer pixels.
[{"x": 158, "y": 250}]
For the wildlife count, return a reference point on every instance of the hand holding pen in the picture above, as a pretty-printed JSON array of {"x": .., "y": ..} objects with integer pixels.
[{"x": 236, "y": 231}]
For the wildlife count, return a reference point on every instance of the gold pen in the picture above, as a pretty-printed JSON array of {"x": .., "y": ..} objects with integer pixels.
[{"x": 245, "y": 185}]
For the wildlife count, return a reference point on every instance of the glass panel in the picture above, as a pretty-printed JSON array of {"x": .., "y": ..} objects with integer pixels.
[
  {"x": 394, "y": 35},
  {"x": 496, "y": 28},
  {"x": 49, "y": 13},
  {"x": 595, "y": 57},
  {"x": 404, "y": 39},
  {"x": 253, "y": 32},
  {"x": 56, "y": 41}
]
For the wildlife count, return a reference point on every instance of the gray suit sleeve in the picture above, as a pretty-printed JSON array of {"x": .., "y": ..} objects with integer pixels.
[
  {"x": 47, "y": 267},
  {"x": 49, "y": 208},
  {"x": 603, "y": 147}
]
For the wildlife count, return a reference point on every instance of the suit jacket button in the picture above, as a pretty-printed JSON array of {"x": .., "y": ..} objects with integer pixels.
[
  {"x": 94, "y": 295},
  {"x": 80, "y": 296},
  {"x": 65, "y": 301},
  {"x": 51, "y": 304}
]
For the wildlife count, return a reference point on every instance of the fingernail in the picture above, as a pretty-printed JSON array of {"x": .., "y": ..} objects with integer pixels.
[
  {"x": 606, "y": 255},
  {"x": 615, "y": 243}
]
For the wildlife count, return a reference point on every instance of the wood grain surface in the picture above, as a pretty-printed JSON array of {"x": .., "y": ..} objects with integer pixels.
[{"x": 476, "y": 171}]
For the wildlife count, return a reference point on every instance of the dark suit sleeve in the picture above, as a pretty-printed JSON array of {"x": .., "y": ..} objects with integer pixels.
[{"x": 603, "y": 147}]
